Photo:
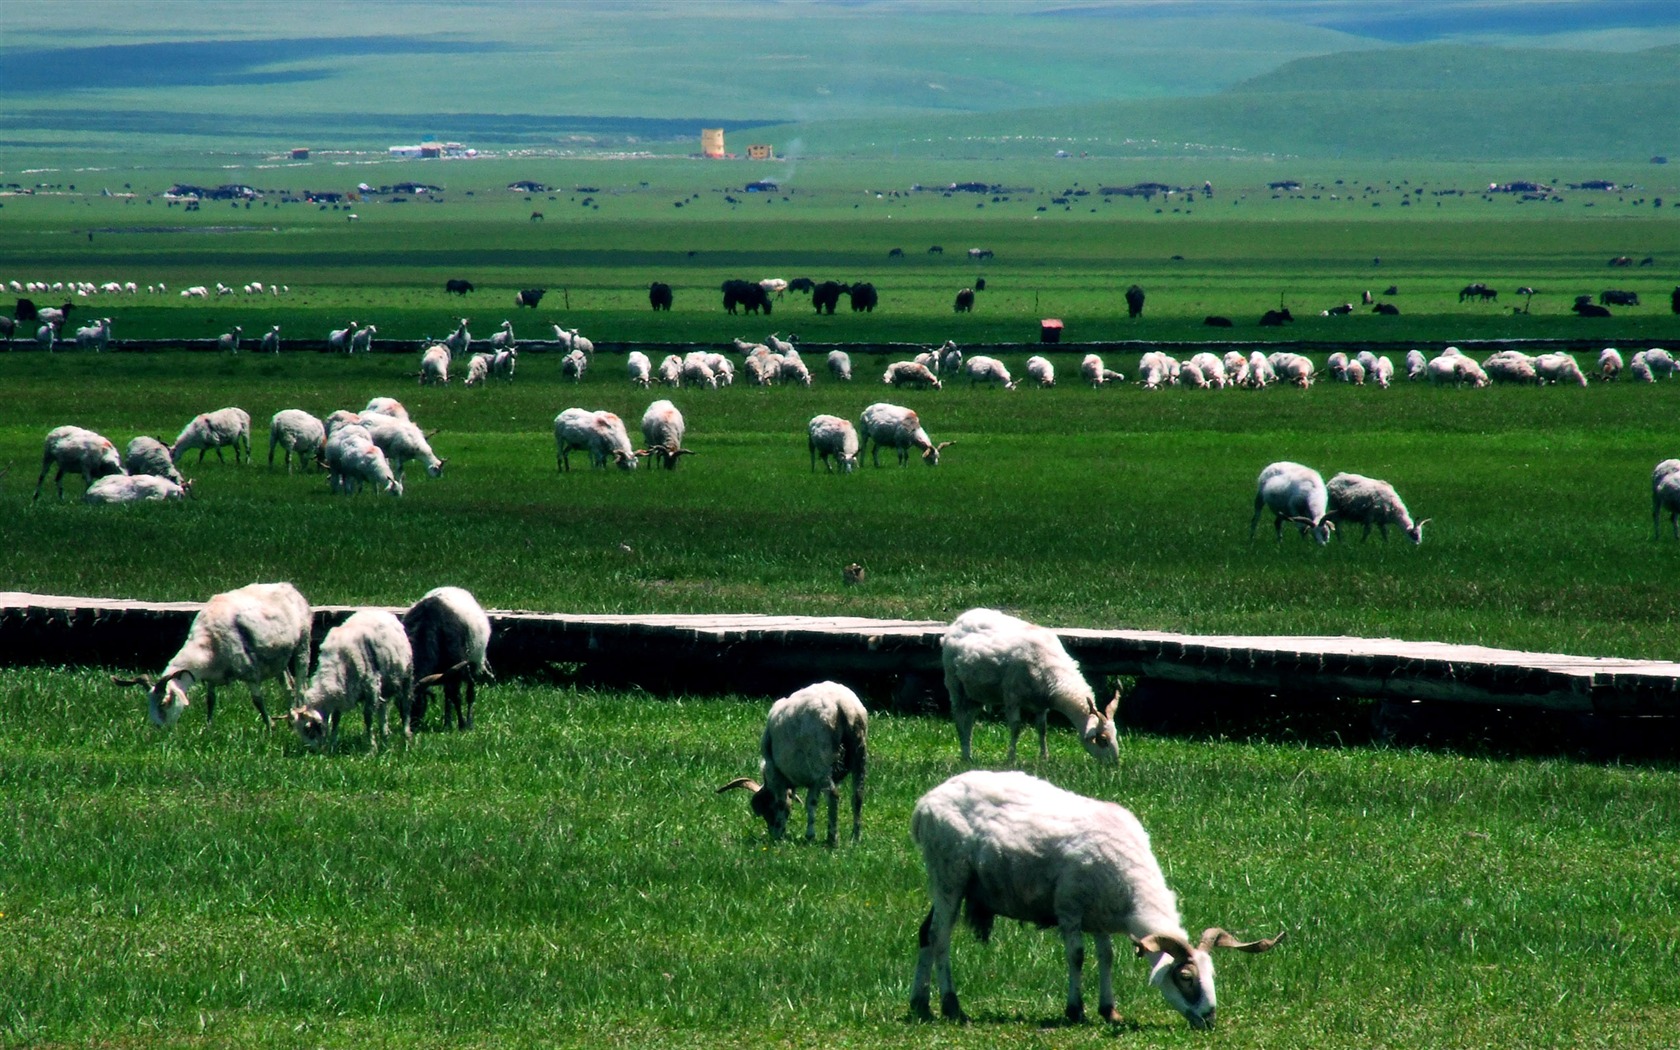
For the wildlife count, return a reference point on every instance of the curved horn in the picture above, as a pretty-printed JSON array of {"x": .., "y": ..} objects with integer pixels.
[
  {"x": 741, "y": 782},
  {"x": 1422, "y": 523},
  {"x": 453, "y": 673},
  {"x": 1113, "y": 706},
  {"x": 1214, "y": 937},
  {"x": 142, "y": 680},
  {"x": 943, "y": 445},
  {"x": 1170, "y": 943}
]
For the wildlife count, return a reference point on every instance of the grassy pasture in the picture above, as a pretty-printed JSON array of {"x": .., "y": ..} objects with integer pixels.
[{"x": 563, "y": 875}]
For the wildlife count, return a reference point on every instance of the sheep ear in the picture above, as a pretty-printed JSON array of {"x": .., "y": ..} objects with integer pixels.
[
  {"x": 741, "y": 782},
  {"x": 1214, "y": 937},
  {"x": 1170, "y": 943}
]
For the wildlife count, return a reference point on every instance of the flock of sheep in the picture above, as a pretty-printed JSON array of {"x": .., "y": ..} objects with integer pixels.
[{"x": 995, "y": 843}]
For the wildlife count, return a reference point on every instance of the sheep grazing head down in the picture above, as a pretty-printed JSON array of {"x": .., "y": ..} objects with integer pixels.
[
  {"x": 1184, "y": 974},
  {"x": 765, "y": 804},
  {"x": 166, "y": 698},
  {"x": 311, "y": 725}
]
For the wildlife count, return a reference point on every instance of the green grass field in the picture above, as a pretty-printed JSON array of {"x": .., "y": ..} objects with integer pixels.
[{"x": 563, "y": 875}]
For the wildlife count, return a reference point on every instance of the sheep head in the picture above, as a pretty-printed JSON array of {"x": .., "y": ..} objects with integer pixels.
[
  {"x": 1099, "y": 734},
  {"x": 1184, "y": 974},
  {"x": 1415, "y": 533},
  {"x": 166, "y": 697},
  {"x": 312, "y": 726},
  {"x": 765, "y": 803}
]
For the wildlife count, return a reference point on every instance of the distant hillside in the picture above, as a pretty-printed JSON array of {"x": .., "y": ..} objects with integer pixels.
[{"x": 1431, "y": 102}]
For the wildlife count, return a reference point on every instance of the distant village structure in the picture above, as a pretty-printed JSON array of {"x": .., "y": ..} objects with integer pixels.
[
  {"x": 711, "y": 143},
  {"x": 433, "y": 149}
]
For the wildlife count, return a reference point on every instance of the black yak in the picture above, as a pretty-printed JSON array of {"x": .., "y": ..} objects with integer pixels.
[
  {"x": 529, "y": 297},
  {"x": 1134, "y": 301},
  {"x": 745, "y": 295},
  {"x": 1617, "y": 297},
  {"x": 1274, "y": 318},
  {"x": 659, "y": 295},
  {"x": 826, "y": 296},
  {"x": 1386, "y": 309},
  {"x": 864, "y": 297},
  {"x": 1215, "y": 321},
  {"x": 965, "y": 301}
]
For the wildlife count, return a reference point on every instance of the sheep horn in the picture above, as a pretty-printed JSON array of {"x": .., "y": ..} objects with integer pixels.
[
  {"x": 943, "y": 444},
  {"x": 1113, "y": 705},
  {"x": 142, "y": 680},
  {"x": 452, "y": 674},
  {"x": 430, "y": 434},
  {"x": 1422, "y": 523},
  {"x": 741, "y": 782},
  {"x": 1214, "y": 937},
  {"x": 1170, "y": 943}
]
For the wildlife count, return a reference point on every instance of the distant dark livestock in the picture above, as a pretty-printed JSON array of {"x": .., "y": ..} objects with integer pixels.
[
  {"x": 1274, "y": 318},
  {"x": 749, "y": 296},
  {"x": 826, "y": 296},
  {"x": 457, "y": 286},
  {"x": 1215, "y": 321},
  {"x": 965, "y": 301},
  {"x": 1617, "y": 297},
  {"x": 1386, "y": 309},
  {"x": 864, "y": 297},
  {"x": 529, "y": 297},
  {"x": 1134, "y": 301},
  {"x": 659, "y": 295}
]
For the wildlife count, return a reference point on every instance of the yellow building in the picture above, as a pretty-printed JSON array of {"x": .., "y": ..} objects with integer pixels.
[
  {"x": 711, "y": 142},
  {"x": 760, "y": 153}
]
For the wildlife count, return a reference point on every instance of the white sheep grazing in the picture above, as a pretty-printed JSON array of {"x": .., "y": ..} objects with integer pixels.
[
  {"x": 362, "y": 341},
  {"x": 1005, "y": 843},
  {"x": 96, "y": 336},
  {"x": 663, "y": 428},
  {"x": 1190, "y": 375},
  {"x": 670, "y": 370},
  {"x": 697, "y": 372},
  {"x": 1417, "y": 365},
  {"x": 793, "y": 370},
  {"x": 386, "y": 406},
  {"x": 1609, "y": 362},
  {"x": 1336, "y": 364},
  {"x": 449, "y": 633},
  {"x": 1155, "y": 370},
  {"x": 1212, "y": 367},
  {"x": 1356, "y": 373},
  {"x": 250, "y": 635},
  {"x": 1041, "y": 371},
  {"x": 1292, "y": 368},
  {"x": 434, "y": 365},
  {"x": 781, "y": 346},
  {"x": 503, "y": 339},
  {"x": 1091, "y": 370},
  {"x": 478, "y": 369},
  {"x": 78, "y": 451},
  {"x": 339, "y": 338},
  {"x": 928, "y": 359},
  {"x": 1384, "y": 372},
  {"x": 1559, "y": 367},
  {"x": 1368, "y": 361},
  {"x": 365, "y": 661},
  {"x": 722, "y": 369},
  {"x": 840, "y": 365},
  {"x": 136, "y": 488},
  {"x": 1510, "y": 366},
  {"x": 812, "y": 738},
  {"x": 1661, "y": 364},
  {"x": 988, "y": 370},
  {"x": 1665, "y": 494},
  {"x": 1294, "y": 493},
  {"x": 45, "y": 337},
  {"x": 228, "y": 342},
  {"x": 993, "y": 660},
  {"x": 910, "y": 373},
  {"x": 639, "y": 369},
  {"x": 1640, "y": 369},
  {"x": 354, "y": 460},
  {"x": 460, "y": 340},
  {"x": 402, "y": 441},
  {"x": 1260, "y": 371},
  {"x": 898, "y": 428},
  {"x": 833, "y": 436},
  {"x": 774, "y": 286},
  {"x": 148, "y": 455},
  {"x": 601, "y": 434},
  {"x": 574, "y": 365},
  {"x": 215, "y": 430},
  {"x": 1359, "y": 500},
  {"x": 271, "y": 341},
  {"x": 297, "y": 431}
]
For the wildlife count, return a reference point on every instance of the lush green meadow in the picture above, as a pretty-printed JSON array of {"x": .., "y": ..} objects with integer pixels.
[{"x": 563, "y": 875}]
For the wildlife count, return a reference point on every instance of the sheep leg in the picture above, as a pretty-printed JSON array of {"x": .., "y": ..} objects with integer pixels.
[
  {"x": 1279, "y": 527},
  {"x": 964, "y": 715},
  {"x": 262, "y": 709},
  {"x": 1074, "y": 938},
  {"x": 1043, "y": 727},
  {"x": 1105, "y": 978},
  {"x": 1013, "y": 716},
  {"x": 210, "y": 703},
  {"x": 833, "y": 793},
  {"x": 1259, "y": 506},
  {"x": 46, "y": 465},
  {"x": 857, "y": 803},
  {"x": 934, "y": 953},
  {"x": 472, "y": 697}
]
